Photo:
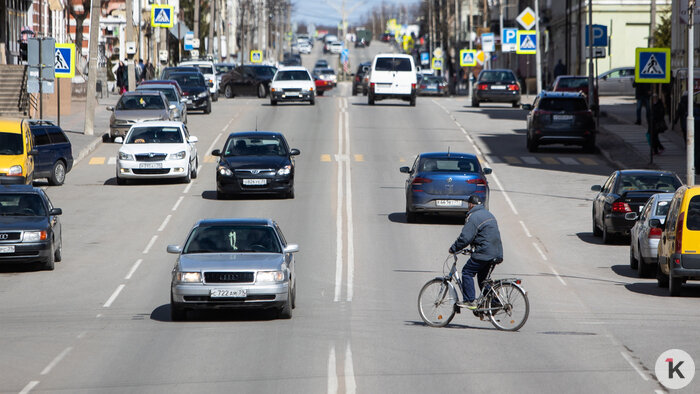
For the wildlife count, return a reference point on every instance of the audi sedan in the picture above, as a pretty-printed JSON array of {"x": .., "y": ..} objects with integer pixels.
[
  {"x": 496, "y": 86},
  {"x": 255, "y": 162},
  {"x": 441, "y": 182},
  {"x": 233, "y": 263}
]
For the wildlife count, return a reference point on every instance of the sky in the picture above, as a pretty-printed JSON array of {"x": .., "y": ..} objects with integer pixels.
[{"x": 319, "y": 12}]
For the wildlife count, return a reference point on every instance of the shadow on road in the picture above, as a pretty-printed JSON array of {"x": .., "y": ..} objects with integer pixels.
[
  {"x": 625, "y": 270},
  {"x": 144, "y": 182},
  {"x": 500, "y": 113},
  {"x": 651, "y": 288},
  {"x": 211, "y": 195},
  {"x": 162, "y": 314},
  {"x": 416, "y": 323},
  {"x": 16, "y": 268},
  {"x": 400, "y": 217}
]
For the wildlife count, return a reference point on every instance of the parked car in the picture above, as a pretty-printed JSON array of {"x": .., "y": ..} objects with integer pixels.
[
  {"x": 359, "y": 82},
  {"x": 195, "y": 90},
  {"x": 496, "y": 86},
  {"x": 386, "y": 37},
  {"x": 644, "y": 239},
  {"x": 392, "y": 76},
  {"x": 327, "y": 41},
  {"x": 157, "y": 150},
  {"x": 30, "y": 230},
  {"x": 255, "y": 162},
  {"x": 441, "y": 182},
  {"x": 164, "y": 82},
  {"x": 208, "y": 70},
  {"x": 248, "y": 80},
  {"x": 321, "y": 63},
  {"x": 626, "y": 191},
  {"x": 616, "y": 82},
  {"x": 291, "y": 60},
  {"x": 560, "y": 118},
  {"x": 137, "y": 106},
  {"x": 54, "y": 158},
  {"x": 432, "y": 86},
  {"x": 292, "y": 84},
  {"x": 17, "y": 153},
  {"x": 233, "y": 263},
  {"x": 174, "y": 98},
  {"x": 168, "y": 71},
  {"x": 573, "y": 83}
]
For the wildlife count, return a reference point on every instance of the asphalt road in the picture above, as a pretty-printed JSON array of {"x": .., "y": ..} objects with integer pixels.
[{"x": 100, "y": 322}]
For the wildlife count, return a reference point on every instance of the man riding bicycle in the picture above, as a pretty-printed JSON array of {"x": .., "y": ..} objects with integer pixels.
[{"x": 481, "y": 231}]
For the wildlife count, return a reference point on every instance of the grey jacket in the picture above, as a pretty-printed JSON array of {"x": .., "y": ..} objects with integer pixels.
[{"x": 481, "y": 231}]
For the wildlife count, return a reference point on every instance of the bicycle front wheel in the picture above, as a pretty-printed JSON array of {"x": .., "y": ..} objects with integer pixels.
[
  {"x": 436, "y": 302},
  {"x": 513, "y": 307}
]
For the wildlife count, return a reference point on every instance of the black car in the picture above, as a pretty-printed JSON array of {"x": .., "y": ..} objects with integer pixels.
[
  {"x": 55, "y": 158},
  {"x": 627, "y": 191},
  {"x": 257, "y": 163},
  {"x": 248, "y": 80},
  {"x": 560, "y": 118},
  {"x": 291, "y": 60},
  {"x": 496, "y": 86},
  {"x": 358, "y": 81},
  {"x": 168, "y": 71},
  {"x": 195, "y": 89},
  {"x": 30, "y": 231},
  {"x": 321, "y": 63}
]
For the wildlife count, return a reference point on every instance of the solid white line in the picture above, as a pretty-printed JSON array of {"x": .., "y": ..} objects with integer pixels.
[
  {"x": 544, "y": 257},
  {"x": 56, "y": 360},
  {"x": 165, "y": 223},
  {"x": 634, "y": 365},
  {"x": 112, "y": 161},
  {"x": 557, "y": 275},
  {"x": 199, "y": 168},
  {"x": 187, "y": 188},
  {"x": 505, "y": 195},
  {"x": 350, "y": 385},
  {"x": 658, "y": 392},
  {"x": 348, "y": 211},
  {"x": 133, "y": 269},
  {"x": 29, "y": 387},
  {"x": 177, "y": 204},
  {"x": 113, "y": 297},
  {"x": 339, "y": 218},
  {"x": 332, "y": 377},
  {"x": 150, "y": 244},
  {"x": 211, "y": 147},
  {"x": 527, "y": 232}
]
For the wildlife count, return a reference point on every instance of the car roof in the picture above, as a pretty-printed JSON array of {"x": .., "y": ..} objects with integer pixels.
[
  {"x": 158, "y": 123},
  {"x": 448, "y": 154},
  {"x": 236, "y": 221},
  {"x": 159, "y": 82},
  {"x": 549, "y": 94},
  {"x": 11, "y": 125},
  {"x": 320, "y": 69},
  {"x": 195, "y": 62},
  {"x": 19, "y": 189},
  {"x": 155, "y": 86},
  {"x": 572, "y": 77},
  {"x": 394, "y": 55},
  {"x": 293, "y": 68},
  {"x": 255, "y": 133}
]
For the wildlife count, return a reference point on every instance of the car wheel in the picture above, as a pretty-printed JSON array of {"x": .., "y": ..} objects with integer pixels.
[
  {"x": 661, "y": 279},
  {"x": 364, "y": 92},
  {"x": 370, "y": 99},
  {"x": 177, "y": 313},
  {"x": 596, "y": 230},
  {"x": 320, "y": 93},
  {"x": 122, "y": 181},
  {"x": 312, "y": 101},
  {"x": 57, "y": 255},
  {"x": 411, "y": 217},
  {"x": 644, "y": 270},
  {"x": 208, "y": 109},
  {"x": 49, "y": 263},
  {"x": 286, "y": 311},
  {"x": 193, "y": 174},
  {"x": 58, "y": 174},
  {"x": 674, "y": 285},
  {"x": 188, "y": 177},
  {"x": 413, "y": 100},
  {"x": 634, "y": 263},
  {"x": 228, "y": 91},
  {"x": 589, "y": 147},
  {"x": 354, "y": 91},
  {"x": 261, "y": 91},
  {"x": 475, "y": 103},
  {"x": 290, "y": 193},
  {"x": 215, "y": 97},
  {"x": 607, "y": 236},
  {"x": 531, "y": 145},
  {"x": 273, "y": 102}
]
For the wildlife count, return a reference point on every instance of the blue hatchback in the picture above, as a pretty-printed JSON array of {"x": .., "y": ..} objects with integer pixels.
[{"x": 441, "y": 182}]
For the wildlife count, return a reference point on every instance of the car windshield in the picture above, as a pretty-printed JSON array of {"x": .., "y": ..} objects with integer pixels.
[
  {"x": 449, "y": 164},
  {"x": 188, "y": 79},
  {"x": 496, "y": 76},
  {"x": 255, "y": 146},
  {"x": 155, "y": 135},
  {"x": 297, "y": 75},
  {"x": 168, "y": 92},
  {"x": 264, "y": 72},
  {"x": 327, "y": 71},
  {"x": 24, "y": 204},
  {"x": 573, "y": 83},
  {"x": 662, "y": 208},
  {"x": 140, "y": 102},
  {"x": 224, "y": 68},
  {"x": 321, "y": 63},
  {"x": 205, "y": 69},
  {"x": 630, "y": 182},
  {"x": 433, "y": 79},
  {"x": 11, "y": 144},
  {"x": 232, "y": 239},
  {"x": 563, "y": 104},
  {"x": 393, "y": 64}
]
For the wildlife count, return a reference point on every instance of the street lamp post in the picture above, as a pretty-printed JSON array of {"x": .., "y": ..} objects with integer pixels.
[{"x": 690, "y": 143}]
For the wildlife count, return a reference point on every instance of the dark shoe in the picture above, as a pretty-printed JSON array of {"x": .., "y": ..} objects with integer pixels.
[{"x": 471, "y": 305}]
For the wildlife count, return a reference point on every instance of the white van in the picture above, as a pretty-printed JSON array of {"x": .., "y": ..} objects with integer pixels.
[
  {"x": 206, "y": 67},
  {"x": 392, "y": 75}
]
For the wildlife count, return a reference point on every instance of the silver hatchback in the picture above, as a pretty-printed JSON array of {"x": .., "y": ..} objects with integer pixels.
[
  {"x": 644, "y": 239},
  {"x": 233, "y": 263}
]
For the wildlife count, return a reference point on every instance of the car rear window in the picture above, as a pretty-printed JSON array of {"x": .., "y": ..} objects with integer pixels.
[
  {"x": 393, "y": 64},
  {"x": 232, "y": 239},
  {"x": 188, "y": 79},
  {"x": 21, "y": 204},
  {"x": 573, "y": 83},
  {"x": 449, "y": 165},
  {"x": 693, "y": 221},
  {"x": 563, "y": 104},
  {"x": 497, "y": 76},
  {"x": 662, "y": 208},
  {"x": 154, "y": 135},
  {"x": 665, "y": 183},
  {"x": 56, "y": 135},
  {"x": 297, "y": 75},
  {"x": 10, "y": 144}
]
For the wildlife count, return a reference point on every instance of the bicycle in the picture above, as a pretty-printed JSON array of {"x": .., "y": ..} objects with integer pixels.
[{"x": 503, "y": 301}]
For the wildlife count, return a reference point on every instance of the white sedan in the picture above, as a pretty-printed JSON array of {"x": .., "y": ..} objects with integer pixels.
[
  {"x": 292, "y": 84},
  {"x": 157, "y": 150}
]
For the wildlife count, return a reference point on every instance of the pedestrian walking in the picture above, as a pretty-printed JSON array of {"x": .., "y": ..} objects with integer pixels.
[
  {"x": 658, "y": 126},
  {"x": 682, "y": 115},
  {"x": 559, "y": 69},
  {"x": 641, "y": 93},
  {"x": 120, "y": 77}
]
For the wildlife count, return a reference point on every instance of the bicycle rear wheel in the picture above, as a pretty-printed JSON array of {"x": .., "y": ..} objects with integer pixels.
[
  {"x": 436, "y": 302},
  {"x": 515, "y": 308}
]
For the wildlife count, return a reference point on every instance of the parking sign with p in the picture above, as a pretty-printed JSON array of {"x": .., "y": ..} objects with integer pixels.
[{"x": 509, "y": 40}]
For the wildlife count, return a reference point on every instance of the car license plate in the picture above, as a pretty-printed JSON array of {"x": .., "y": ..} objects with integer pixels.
[
  {"x": 432, "y": 86},
  {"x": 228, "y": 293},
  {"x": 563, "y": 117},
  {"x": 249, "y": 182},
  {"x": 498, "y": 87},
  {"x": 448, "y": 203},
  {"x": 7, "y": 249},
  {"x": 151, "y": 165}
]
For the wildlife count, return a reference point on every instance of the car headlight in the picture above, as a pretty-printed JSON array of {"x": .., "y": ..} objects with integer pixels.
[
  {"x": 34, "y": 236},
  {"x": 189, "y": 277},
  {"x": 203, "y": 94},
  {"x": 178, "y": 156},
  {"x": 286, "y": 170},
  {"x": 125, "y": 156},
  {"x": 15, "y": 171},
  {"x": 223, "y": 170},
  {"x": 270, "y": 276}
]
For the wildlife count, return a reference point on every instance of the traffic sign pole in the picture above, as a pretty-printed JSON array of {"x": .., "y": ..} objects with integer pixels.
[
  {"x": 538, "y": 57},
  {"x": 690, "y": 143}
]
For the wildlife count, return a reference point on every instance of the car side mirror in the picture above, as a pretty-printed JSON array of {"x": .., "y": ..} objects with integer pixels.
[
  {"x": 405, "y": 170},
  {"x": 527, "y": 107},
  {"x": 631, "y": 216},
  {"x": 291, "y": 248},
  {"x": 109, "y": 108},
  {"x": 294, "y": 152},
  {"x": 33, "y": 152},
  {"x": 118, "y": 140},
  {"x": 487, "y": 171},
  {"x": 655, "y": 223},
  {"x": 193, "y": 139},
  {"x": 216, "y": 152},
  {"x": 596, "y": 188},
  {"x": 184, "y": 100},
  {"x": 172, "y": 106},
  {"x": 55, "y": 212},
  {"x": 174, "y": 249}
]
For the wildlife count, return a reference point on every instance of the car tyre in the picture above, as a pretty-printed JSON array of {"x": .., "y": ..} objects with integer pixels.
[
  {"x": 354, "y": 91},
  {"x": 58, "y": 174},
  {"x": 661, "y": 279},
  {"x": 122, "y": 181},
  {"x": 370, "y": 99},
  {"x": 411, "y": 217},
  {"x": 207, "y": 110},
  {"x": 215, "y": 97},
  {"x": 262, "y": 93},
  {"x": 589, "y": 147},
  {"x": 516, "y": 104},
  {"x": 49, "y": 263},
  {"x": 413, "y": 100},
  {"x": 607, "y": 236},
  {"x": 475, "y": 103},
  {"x": 58, "y": 253},
  {"x": 531, "y": 145},
  {"x": 674, "y": 285},
  {"x": 312, "y": 101},
  {"x": 273, "y": 102},
  {"x": 644, "y": 270},
  {"x": 194, "y": 174},
  {"x": 320, "y": 92},
  {"x": 634, "y": 263},
  {"x": 290, "y": 193},
  {"x": 286, "y": 311},
  {"x": 596, "y": 231},
  {"x": 228, "y": 91},
  {"x": 188, "y": 177}
]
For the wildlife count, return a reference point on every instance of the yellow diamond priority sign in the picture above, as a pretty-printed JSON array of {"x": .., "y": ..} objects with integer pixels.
[{"x": 526, "y": 18}]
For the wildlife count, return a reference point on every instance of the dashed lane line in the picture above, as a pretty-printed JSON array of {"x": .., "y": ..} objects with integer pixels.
[
  {"x": 29, "y": 387},
  {"x": 56, "y": 360},
  {"x": 113, "y": 297},
  {"x": 150, "y": 244},
  {"x": 133, "y": 269}
]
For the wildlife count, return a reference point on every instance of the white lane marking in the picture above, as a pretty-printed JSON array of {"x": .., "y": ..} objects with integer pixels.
[
  {"x": 113, "y": 297},
  {"x": 56, "y": 360},
  {"x": 505, "y": 194},
  {"x": 339, "y": 217},
  {"x": 227, "y": 125},
  {"x": 150, "y": 244},
  {"x": 530, "y": 160},
  {"x": 332, "y": 377},
  {"x": 557, "y": 275},
  {"x": 29, "y": 387},
  {"x": 187, "y": 188},
  {"x": 133, "y": 269},
  {"x": 527, "y": 232},
  {"x": 177, "y": 204},
  {"x": 350, "y": 385},
  {"x": 211, "y": 147},
  {"x": 112, "y": 161},
  {"x": 99, "y": 315},
  {"x": 81, "y": 335},
  {"x": 199, "y": 168},
  {"x": 544, "y": 257},
  {"x": 658, "y": 392},
  {"x": 348, "y": 211},
  {"x": 165, "y": 223},
  {"x": 631, "y": 362},
  {"x": 567, "y": 160}
]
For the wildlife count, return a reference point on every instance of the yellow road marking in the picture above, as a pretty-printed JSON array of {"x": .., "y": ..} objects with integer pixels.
[
  {"x": 326, "y": 157},
  {"x": 96, "y": 160},
  {"x": 588, "y": 161},
  {"x": 209, "y": 159},
  {"x": 359, "y": 158},
  {"x": 549, "y": 160},
  {"x": 512, "y": 160},
  {"x": 402, "y": 160}
]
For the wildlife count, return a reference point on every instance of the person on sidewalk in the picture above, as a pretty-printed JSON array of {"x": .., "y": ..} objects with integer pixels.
[
  {"x": 659, "y": 125},
  {"x": 682, "y": 115},
  {"x": 120, "y": 77},
  {"x": 559, "y": 69},
  {"x": 641, "y": 93}
]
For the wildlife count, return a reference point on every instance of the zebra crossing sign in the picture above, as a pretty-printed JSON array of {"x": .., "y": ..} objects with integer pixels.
[
  {"x": 64, "y": 61},
  {"x": 526, "y": 42},
  {"x": 652, "y": 65},
  {"x": 161, "y": 15}
]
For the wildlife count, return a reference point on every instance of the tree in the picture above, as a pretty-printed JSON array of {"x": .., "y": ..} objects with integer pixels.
[
  {"x": 662, "y": 34},
  {"x": 187, "y": 7},
  {"x": 79, "y": 19}
]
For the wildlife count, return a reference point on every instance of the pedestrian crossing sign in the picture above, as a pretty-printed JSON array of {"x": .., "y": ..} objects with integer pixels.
[
  {"x": 256, "y": 56},
  {"x": 64, "y": 61},
  {"x": 526, "y": 42},
  {"x": 437, "y": 63},
  {"x": 467, "y": 58},
  {"x": 652, "y": 65},
  {"x": 161, "y": 15}
]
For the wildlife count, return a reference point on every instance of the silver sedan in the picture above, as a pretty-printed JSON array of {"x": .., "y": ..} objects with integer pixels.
[
  {"x": 233, "y": 263},
  {"x": 644, "y": 239}
]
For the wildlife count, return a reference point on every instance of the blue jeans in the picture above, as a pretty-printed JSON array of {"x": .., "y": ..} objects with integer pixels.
[
  {"x": 644, "y": 102},
  {"x": 471, "y": 268}
]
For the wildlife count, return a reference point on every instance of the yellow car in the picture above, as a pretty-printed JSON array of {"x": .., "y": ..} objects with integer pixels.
[{"x": 16, "y": 152}]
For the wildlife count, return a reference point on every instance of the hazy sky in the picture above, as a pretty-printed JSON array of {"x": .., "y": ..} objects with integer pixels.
[{"x": 319, "y": 12}]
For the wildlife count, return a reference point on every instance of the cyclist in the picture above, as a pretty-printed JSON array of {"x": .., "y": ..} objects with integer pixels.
[{"x": 481, "y": 231}]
